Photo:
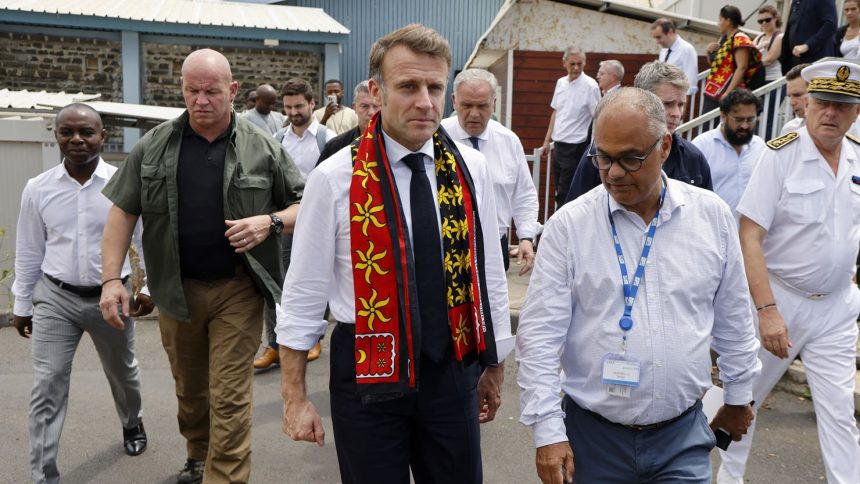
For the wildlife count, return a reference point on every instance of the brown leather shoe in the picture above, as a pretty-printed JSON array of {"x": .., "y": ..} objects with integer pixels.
[
  {"x": 314, "y": 353},
  {"x": 268, "y": 359}
]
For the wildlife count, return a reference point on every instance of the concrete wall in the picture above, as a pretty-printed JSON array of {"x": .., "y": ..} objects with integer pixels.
[{"x": 543, "y": 25}]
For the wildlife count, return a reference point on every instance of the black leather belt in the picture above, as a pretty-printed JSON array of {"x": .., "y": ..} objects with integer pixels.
[
  {"x": 642, "y": 428},
  {"x": 82, "y": 291}
]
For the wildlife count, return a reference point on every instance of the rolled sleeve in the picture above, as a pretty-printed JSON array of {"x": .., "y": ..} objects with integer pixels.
[
  {"x": 300, "y": 321},
  {"x": 544, "y": 322},
  {"x": 124, "y": 187},
  {"x": 734, "y": 337}
]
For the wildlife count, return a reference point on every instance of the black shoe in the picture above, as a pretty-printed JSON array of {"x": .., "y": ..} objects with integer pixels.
[
  {"x": 134, "y": 440},
  {"x": 192, "y": 473}
]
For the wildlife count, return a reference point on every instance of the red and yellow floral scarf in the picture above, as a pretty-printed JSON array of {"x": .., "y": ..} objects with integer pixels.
[{"x": 387, "y": 323}]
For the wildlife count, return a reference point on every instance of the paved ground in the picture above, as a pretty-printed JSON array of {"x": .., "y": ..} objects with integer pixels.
[{"x": 786, "y": 449}]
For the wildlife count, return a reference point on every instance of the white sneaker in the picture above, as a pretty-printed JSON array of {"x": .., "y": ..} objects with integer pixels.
[{"x": 724, "y": 477}]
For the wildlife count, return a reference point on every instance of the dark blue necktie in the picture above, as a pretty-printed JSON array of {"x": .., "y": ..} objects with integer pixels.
[
  {"x": 474, "y": 140},
  {"x": 429, "y": 270}
]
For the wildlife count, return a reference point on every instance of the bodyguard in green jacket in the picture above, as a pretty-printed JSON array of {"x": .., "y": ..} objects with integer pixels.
[{"x": 215, "y": 194}]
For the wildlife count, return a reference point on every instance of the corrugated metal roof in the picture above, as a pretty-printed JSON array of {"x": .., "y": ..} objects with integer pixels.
[
  {"x": 193, "y": 12},
  {"x": 41, "y": 99}
]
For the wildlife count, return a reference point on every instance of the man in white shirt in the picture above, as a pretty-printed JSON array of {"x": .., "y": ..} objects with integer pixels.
[
  {"x": 263, "y": 115},
  {"x": 409, "y": 385},
  {"x": 676, "y": 51},
  {"x": 304, "y": 138},
  {"x": 474, "y": 99},
  {"x": 633, "y": 343},
  {"x": 609, "y": 75},
  {"x": 335, "y": 116},
  {"x": 795, "y": 88},
  {"x": 732, "y": 149},
  {"x": 800, "y": 230},
  {"x": 573, "y": 102},
  {"x": 57, "y": 286}
]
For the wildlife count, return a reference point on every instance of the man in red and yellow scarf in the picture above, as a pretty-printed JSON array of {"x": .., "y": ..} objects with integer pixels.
[{"x": 397, "y": 233}]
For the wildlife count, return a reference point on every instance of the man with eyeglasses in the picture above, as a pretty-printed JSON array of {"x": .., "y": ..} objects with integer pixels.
[
  {"x": 800, "y": 230},
  {"x": 733, "y": 148},
  {"x": 685, "y": 162},
  {"x": 633, "y": 343}
]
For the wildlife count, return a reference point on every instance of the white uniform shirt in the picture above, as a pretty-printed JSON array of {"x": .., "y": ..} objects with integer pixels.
[
  {"x": 812, "y": 216},
  {"x": 574, "y": 103},
  {"x": 730, "y": 171},
  {"x": 59, "y": 232},
  {"x": 685, "y": 58},
  {"x": 793, "y": 125},
  {"x": 694, "y": 295},
  {"x": 321, "y": 268},
  {"x": 304, "y": 151},
  {"x": 513, "y": 186}
]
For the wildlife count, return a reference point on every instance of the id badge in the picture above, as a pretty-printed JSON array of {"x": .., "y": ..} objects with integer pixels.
[{"x": 620, "y": 374}]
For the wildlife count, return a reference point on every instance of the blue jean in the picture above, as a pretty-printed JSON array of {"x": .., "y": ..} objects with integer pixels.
[{"x": 606, "y": 453}]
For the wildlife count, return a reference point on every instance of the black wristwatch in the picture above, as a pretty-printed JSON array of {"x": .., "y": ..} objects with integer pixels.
[{"x": 277, "y": 224}]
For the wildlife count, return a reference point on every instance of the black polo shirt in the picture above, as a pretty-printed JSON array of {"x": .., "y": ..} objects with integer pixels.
[{"x": 204, "y": 251}]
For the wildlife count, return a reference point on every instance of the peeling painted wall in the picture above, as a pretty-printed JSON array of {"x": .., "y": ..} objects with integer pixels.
[{"x": 544, "y": 25}]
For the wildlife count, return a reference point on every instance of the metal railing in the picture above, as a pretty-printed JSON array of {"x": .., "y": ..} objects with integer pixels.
[{"x": 774, "y": 114}]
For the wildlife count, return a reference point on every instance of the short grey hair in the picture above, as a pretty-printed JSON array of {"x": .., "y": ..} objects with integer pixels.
[
  {"x": 362, "y": 87},
  {"x": 616, "y": 66},
  {"x": 572, "y": 50},
  {"x": 640, "y": 100},
  {"x": 477, "y": 75},
  {"x": 655, "y": 73}
]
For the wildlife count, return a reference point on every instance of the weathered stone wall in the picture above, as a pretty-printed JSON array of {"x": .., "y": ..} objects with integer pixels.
[
  {"x": 251, "y": 67},
  {"x": 48, "y": 63}
]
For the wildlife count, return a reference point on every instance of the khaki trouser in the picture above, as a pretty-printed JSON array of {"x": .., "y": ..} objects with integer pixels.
[{"x": 211, "y": 358}]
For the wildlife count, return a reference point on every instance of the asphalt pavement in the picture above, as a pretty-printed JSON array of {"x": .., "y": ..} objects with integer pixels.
[{"x": 786, "y": 447}]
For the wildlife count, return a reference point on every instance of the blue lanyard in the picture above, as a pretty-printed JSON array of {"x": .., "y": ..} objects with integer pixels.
[{"x": 630, "y": 290}]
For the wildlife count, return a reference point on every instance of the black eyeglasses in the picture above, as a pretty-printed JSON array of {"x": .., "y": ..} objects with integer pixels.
[
  {"x": 764, "y": 20},
  {"x": 629, "y": 163}
]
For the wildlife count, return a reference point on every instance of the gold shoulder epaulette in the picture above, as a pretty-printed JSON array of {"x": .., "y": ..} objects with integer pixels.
[
  {"x": 853, "y": 138},
  {"x": 783, "y": 140}
]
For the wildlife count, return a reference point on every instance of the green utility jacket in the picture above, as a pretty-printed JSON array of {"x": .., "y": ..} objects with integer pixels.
[{"x": 259, "y": 178}]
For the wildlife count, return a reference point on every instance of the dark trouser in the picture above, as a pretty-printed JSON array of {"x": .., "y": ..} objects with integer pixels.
[
  {"x": 433, "y": 431},
  {"x": 607, "y": 453},
  {"x": 709, "y": 105},
  {"x": 565, "y": 159},
  {"x": 506, "y": 252},
  {"x": 269, "y": 316}
]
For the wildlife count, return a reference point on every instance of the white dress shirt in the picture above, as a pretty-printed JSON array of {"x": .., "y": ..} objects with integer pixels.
[
  {"x": 59, "y": 232},
  {"x": 694, "y": 295},
  {"x": 513, "y": 186},
  {"x": 730, "y": 171},
  {"x": 812, "y": 216},
  {"x": 685, "y": 58},
  {"x": 305, "y": 151},
  {"x": 321, "y": 268},
  {"x": 574, "y": 103}
]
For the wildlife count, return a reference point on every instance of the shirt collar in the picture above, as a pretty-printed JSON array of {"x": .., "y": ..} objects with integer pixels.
[
  {"x": 397, "y": 151},
  {"x": 461, "y": 134},
  {"x": 101, "y": 171},
  {"x": 310, "y": 130},
  {"x": 676, "y": 44},
  {"x": 674, "y": 199}
]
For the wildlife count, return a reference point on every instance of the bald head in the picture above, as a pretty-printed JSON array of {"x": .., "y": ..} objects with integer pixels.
[
  {"x": 209, "y": 90},
  {"x": 79, "y": 111},
  {"x": 207, "y": 60},
  {"x": 266, "y": 98}
]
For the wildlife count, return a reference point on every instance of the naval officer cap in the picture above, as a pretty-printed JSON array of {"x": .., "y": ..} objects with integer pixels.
[{"x": 835, "y": 81}]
